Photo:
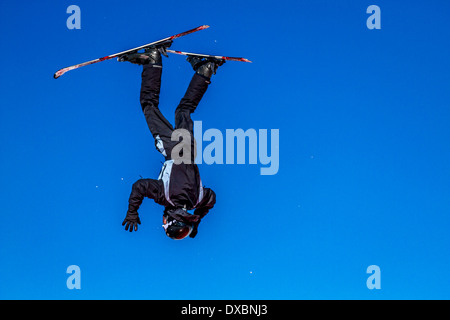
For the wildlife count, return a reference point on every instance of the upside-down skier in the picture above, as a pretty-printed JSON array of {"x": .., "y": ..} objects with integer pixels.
[{"x": 178, "y": 187}]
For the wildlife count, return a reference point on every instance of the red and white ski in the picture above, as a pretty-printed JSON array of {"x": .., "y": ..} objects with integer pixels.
[
  {"x": 208, "y": 56},
  {"x": 59, "y": 73}
]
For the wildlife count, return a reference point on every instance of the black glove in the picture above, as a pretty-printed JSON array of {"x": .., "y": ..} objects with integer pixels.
[
  {"x": 194, "y": 230},
  {"x": 131, "y": 221}
]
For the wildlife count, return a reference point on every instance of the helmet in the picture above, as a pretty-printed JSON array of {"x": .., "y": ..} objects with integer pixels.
[{"x": 176, "y": 229}]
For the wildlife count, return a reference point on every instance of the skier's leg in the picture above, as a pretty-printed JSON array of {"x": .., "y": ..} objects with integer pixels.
[
  {"x": 197, "y": 87},
  {"x": 199, "y": 84},
  {"x": 188, "y": 104},
  {"x": 159, "y": 126}
]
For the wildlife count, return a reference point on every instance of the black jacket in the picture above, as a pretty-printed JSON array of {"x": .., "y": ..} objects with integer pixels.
[{"x": 178, "y": 185}]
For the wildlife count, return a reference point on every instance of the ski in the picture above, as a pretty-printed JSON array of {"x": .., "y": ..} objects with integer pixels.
[
  {"x": 208, "y": 56},
  {"x": 60, "y": 72}
]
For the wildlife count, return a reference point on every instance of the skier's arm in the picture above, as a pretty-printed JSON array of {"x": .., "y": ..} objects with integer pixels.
[
  {"x": 149, "y": 188},
  {"x": 207, "y": 203}
]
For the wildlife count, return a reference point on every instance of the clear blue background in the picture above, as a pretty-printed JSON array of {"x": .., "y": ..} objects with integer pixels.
[{"x": 364, "y": 151}]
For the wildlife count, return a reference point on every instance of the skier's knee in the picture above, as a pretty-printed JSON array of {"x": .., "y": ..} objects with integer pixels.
[{"x": 147, "y": 106}]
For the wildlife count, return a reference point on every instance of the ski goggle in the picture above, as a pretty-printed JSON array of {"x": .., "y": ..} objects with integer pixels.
[{"x": 176, "y": 230}]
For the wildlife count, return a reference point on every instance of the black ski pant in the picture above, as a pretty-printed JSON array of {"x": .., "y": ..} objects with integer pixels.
[{"x": 159, "y": 126}]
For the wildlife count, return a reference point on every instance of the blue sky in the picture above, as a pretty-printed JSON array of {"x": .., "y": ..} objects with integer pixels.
[{"x": 364, "y": 174}]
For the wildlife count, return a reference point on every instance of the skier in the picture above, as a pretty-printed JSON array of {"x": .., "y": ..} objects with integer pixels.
[{"x": 179, "y": 187}]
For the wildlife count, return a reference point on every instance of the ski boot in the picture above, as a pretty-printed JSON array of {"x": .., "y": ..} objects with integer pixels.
[
  {"x": 205, "y": 66},
  {"x": 151, "y": 55}
]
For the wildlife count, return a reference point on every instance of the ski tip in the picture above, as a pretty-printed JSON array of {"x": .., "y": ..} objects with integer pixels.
[
  {"x": 203, "y": 27},
  {"x": 60, "y": 72},
  {"x": 236, "y": 59}
]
